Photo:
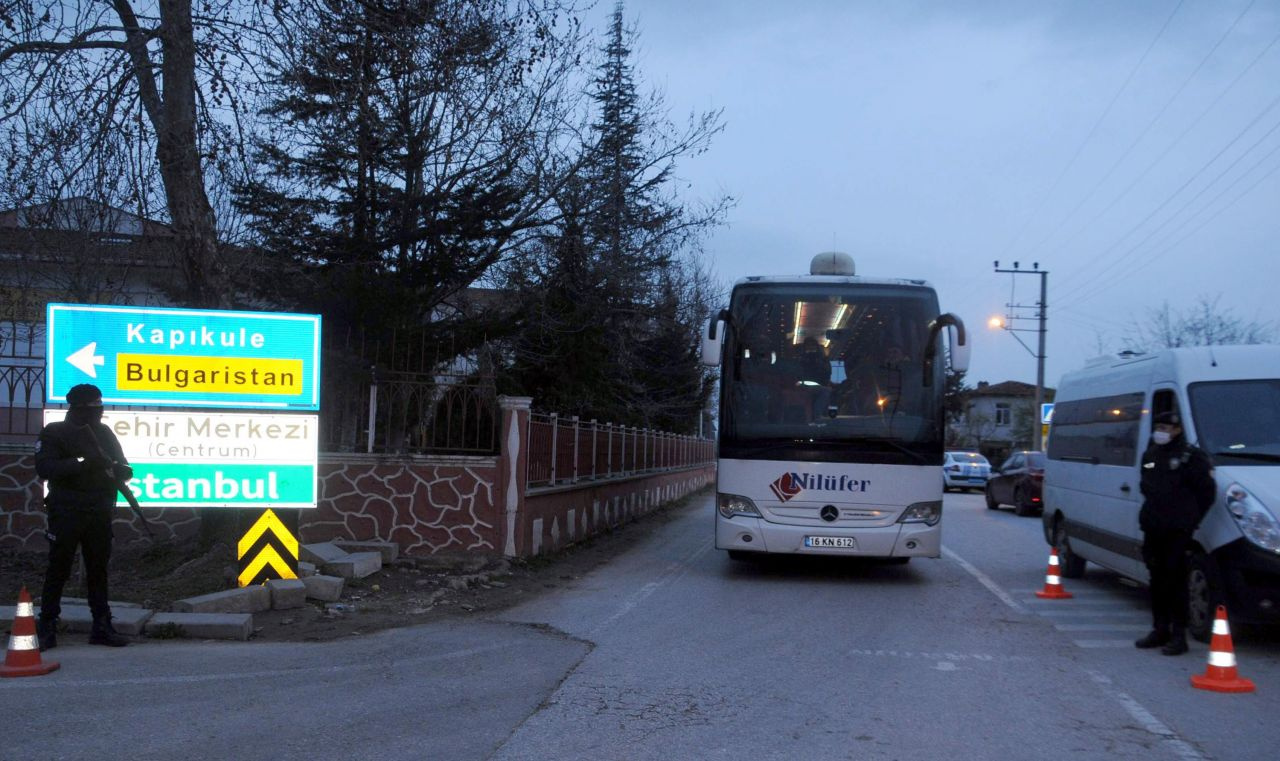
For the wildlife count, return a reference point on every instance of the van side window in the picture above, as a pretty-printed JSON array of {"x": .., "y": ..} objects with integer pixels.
[
  {"x": 1163, "y": 400},
  {"x": 1102, "y": 430}
]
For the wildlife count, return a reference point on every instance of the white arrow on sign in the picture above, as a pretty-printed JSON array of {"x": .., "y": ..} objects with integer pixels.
[{"x": 87, "y": 360}]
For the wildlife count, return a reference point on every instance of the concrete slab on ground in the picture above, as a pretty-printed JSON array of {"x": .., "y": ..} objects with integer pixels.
[
  {"x": 203, "y": 625},
  {"x": 243, "y": 600},
  {"x": 78, "y": 618},
  {"x": 320, "y": 553},
  {"x": 357, "y": 565},
  {"x": 287, "y": 593},
  {"x": 388, "y": 550},
  {"x": 324, "y": 588}
]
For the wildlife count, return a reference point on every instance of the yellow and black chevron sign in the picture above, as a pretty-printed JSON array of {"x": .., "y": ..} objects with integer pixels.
[{"x": 269, "y": 548}]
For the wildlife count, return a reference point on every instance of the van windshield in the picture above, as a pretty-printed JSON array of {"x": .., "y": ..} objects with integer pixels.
[{"x": 1238, "y": 422}]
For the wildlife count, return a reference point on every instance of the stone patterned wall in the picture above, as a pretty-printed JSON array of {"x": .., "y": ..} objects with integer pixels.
[
  {"x": 22, "y": 517},
  {"x": 425, "y": 505}
]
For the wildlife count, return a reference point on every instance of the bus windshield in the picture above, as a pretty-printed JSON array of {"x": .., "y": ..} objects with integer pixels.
[{"x": 830, "y": 367}]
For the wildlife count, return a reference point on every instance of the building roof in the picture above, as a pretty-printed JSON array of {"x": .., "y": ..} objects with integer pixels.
[
  {"x": 82, "y": 215},
  {"x": 1006, "y": 388}
]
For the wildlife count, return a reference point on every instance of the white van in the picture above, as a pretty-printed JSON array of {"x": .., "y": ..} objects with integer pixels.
[{"x": 1229, "y": 400}]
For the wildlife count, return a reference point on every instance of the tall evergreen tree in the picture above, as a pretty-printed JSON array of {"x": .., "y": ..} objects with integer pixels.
[
  {"x": 613, "y": 289},
  {"x": 411, "y": 150}
]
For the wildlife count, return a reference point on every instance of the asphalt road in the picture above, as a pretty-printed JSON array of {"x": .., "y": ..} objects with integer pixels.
[{"x": 672, "y": 651}]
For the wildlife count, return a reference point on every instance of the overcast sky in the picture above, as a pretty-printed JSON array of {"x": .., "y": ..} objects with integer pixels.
[{"x": 1132, "y": 149}]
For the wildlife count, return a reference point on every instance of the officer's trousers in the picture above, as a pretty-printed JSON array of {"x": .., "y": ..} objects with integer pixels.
[
  {"x": 1165, "y": 554},
  {"x": 89, "y": 529}
]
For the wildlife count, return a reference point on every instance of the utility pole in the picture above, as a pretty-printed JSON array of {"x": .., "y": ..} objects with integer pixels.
[{"x": 1042, "y": 309}]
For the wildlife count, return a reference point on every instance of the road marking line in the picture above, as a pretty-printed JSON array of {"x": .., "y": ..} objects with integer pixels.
[
  {"x": 669, "y": 574},
  {"x": 1101, "y": 627},
  {"x": 1096, "y": 644},
  {"x": 1181, "y": 748},
  {"x": 1118, "y": 614},
  {"x": 985, "y": 581},
  {"x": 939, "y": 657},
  {"x": 1082, "y": 603}
]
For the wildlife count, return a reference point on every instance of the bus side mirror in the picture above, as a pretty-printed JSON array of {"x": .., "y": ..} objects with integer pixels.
[
  {"x": 958, "y": 345},
  {"x": 712, "y": 341},
  {"x": 958, "y": 348}
]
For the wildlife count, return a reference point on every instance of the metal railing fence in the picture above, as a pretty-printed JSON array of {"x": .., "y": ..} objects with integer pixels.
[{"x": 567, "y": 450}]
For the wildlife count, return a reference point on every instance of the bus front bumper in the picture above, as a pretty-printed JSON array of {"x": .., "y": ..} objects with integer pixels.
[{"x": 747, "y": 534}]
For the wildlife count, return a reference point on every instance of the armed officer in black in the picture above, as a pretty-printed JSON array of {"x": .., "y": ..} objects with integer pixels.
[
  {"x": 83, "y": 463},
  {"x": 1177, "y": 482}
]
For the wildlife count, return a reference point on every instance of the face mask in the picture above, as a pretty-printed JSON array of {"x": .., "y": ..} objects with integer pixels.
[
  {"x": 1161, "y": 438},
  {"x": 85, "y": 415}
]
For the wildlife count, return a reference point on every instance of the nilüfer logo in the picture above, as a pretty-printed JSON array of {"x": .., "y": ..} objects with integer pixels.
[
  {"x": 788, "y": 485},
  {"x": 785, "y": 487}
]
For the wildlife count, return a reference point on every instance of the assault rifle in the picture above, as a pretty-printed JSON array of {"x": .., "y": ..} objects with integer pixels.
[{"x": 95, "y": 449}]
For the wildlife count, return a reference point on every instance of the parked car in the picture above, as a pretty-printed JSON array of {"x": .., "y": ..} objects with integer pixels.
[
  {"x": 964, "y": 471},
  {"x": 1019, "y": 481}
]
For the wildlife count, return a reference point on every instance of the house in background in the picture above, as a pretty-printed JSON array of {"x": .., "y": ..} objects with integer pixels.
[
  {"x": 76, "y": 250},
  {"x": 82, "y": 251},
  {"x": 998, "y": 419}
]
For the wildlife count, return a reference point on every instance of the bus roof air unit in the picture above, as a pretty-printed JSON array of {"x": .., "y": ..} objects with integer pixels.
[{"x": 832, "y": 263}]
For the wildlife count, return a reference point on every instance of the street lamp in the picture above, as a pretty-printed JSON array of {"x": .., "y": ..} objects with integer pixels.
[{"x": 1042, "y": 309}]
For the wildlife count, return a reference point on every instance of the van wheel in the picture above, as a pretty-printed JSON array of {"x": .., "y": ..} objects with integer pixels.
[
  {"x": 991, "y": 501},
  {"x": 1021, "y": 507},
  {"x": 741, "y": 556},
  {"x": 1204, "y": 595},
  {"x": 1070, "y": 565}
]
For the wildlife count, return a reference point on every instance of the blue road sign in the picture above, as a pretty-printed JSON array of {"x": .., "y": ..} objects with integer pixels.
[
  {"x": 184, "y": 357},
  {"x": 1046, "y": 413}
]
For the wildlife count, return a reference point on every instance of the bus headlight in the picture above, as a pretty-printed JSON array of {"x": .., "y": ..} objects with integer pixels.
[
  {"x": 1256, "y": 522},
  {"x": 928, "y": 513},
  {"x": 731, "y": 505}
]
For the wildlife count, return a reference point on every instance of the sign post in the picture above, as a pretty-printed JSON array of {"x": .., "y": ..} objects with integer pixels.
[
  {"x": 185, "y": 357},
  {"x": 261, "y": 460}
]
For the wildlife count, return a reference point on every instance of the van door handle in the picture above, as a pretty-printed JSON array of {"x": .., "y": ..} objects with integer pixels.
[{"x": 1125, "y": 488}]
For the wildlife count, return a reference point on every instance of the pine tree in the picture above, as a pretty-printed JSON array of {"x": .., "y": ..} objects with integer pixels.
[{"x": 407, "y": 155}]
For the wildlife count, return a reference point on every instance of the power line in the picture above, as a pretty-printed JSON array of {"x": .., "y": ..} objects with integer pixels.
[
  {"x": 1157, "y": 250},
  {"x": 1195, "y": 122},
  {"x": 1092, "y": 131},
  {"x": 1177, "y": 192},
  {"x": 1176, "y": 215},
  {"x": 1125, "y": 154}
]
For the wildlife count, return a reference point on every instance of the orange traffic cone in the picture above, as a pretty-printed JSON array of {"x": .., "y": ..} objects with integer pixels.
[
  {"x": 1052, "y": 581},
  {"x": 23, "y": 658},
  {"x": 1221, "y": 674}
]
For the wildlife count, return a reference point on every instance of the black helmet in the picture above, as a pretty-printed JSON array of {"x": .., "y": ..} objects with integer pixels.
[{"x": 85, "y": 395}]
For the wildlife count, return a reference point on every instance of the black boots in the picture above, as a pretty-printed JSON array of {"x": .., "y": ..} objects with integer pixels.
[
  {"x": 1154, "y": 638},
  {"x": 1177, "y": 644},
  {"x": 103, "y": 633},
  {"x": 47, "y": 633},
  {"x": 1170, "y": 643}
]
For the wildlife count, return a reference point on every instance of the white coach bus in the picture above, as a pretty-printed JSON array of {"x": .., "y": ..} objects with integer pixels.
[{"x": 831, "y": 422}]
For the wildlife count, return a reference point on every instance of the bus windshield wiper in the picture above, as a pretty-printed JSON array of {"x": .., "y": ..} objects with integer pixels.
[{"x": 1264, "y": 456}]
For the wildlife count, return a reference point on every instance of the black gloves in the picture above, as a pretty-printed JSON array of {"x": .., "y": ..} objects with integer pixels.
[{"x": 121, "y": 471}]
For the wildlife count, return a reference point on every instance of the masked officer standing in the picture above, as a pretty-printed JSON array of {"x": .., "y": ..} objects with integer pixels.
[
  {"x": 83, "y": 463},
  {"x": 1177, "y": 482}
]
